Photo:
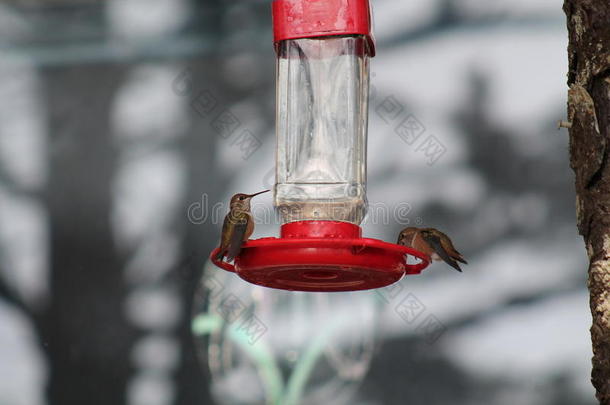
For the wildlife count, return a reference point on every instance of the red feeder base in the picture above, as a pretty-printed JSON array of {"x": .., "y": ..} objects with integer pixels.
[{"x": 323, "y": 256}]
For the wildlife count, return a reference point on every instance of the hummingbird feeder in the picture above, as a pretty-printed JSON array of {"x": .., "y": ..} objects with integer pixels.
[{"x": 322, "y": 49}]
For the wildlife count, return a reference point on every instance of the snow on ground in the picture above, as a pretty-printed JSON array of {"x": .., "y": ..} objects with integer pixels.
[
  {"x": 22, "y": 134},
  {"x": 23, "y": 236},
  {"x": 529, "y": 341},
  {"x": 22, "y": 368},
  {"x": 514, "y": 343},
  {"x": 23, "y": 148}
]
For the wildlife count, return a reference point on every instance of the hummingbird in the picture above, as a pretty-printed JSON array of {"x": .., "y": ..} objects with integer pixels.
[
  {"x": 237, "y": 226},
  {"x": 432, "y": 242}
]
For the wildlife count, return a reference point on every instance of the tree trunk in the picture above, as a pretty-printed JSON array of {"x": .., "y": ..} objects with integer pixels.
[
  {"x": 589, "y": 115},
  {"x": 87, "y": 336}
]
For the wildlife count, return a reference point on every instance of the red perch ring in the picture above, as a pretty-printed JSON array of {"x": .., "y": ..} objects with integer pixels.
[{"x": 322, "y": 256}]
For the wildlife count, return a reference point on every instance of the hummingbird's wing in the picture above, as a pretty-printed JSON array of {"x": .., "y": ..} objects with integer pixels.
[
  {"x": 224, "y": 239},
  {"x": 450, "y": 249},
  {"x": 239, "y": 225},
  {"x": 435, "y": 243}
]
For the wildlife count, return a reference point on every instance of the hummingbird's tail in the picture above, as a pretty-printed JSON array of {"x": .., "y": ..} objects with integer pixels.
[
  {"x": 460, "y": 258},
  {"x": 449, "y": 260},
  {"x": 221, "y": 254},
  {"x": 436, "y": 244}
]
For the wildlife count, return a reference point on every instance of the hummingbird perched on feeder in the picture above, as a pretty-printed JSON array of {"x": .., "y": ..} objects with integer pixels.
[
  {"x": 237, "y": 227},
  {"x": 432, "y": 242}
]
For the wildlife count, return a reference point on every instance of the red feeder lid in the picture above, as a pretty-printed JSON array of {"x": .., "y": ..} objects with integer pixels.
[
  {"x": 293, "y": 19},
  {"x": 323, "y": 256}
]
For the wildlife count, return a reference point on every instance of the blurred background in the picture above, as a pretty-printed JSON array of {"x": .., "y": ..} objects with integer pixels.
[{"x": 125, "y": 126}]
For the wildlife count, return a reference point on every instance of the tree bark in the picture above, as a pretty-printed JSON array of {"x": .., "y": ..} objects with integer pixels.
[{"x": 589, "y": 114}]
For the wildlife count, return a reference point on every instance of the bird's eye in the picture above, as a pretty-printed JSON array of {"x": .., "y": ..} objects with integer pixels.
[{"x": 241, "y": 197}]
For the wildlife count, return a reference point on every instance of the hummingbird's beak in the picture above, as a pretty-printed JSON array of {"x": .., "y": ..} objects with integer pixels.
[{"x": 260, "y": 192}]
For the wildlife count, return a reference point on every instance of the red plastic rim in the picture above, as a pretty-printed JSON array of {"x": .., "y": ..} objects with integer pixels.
[{"x": 323, "y": 256}]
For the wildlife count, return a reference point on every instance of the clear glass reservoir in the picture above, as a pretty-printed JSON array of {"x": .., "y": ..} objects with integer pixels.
[{"x": 322, "y": 113}]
